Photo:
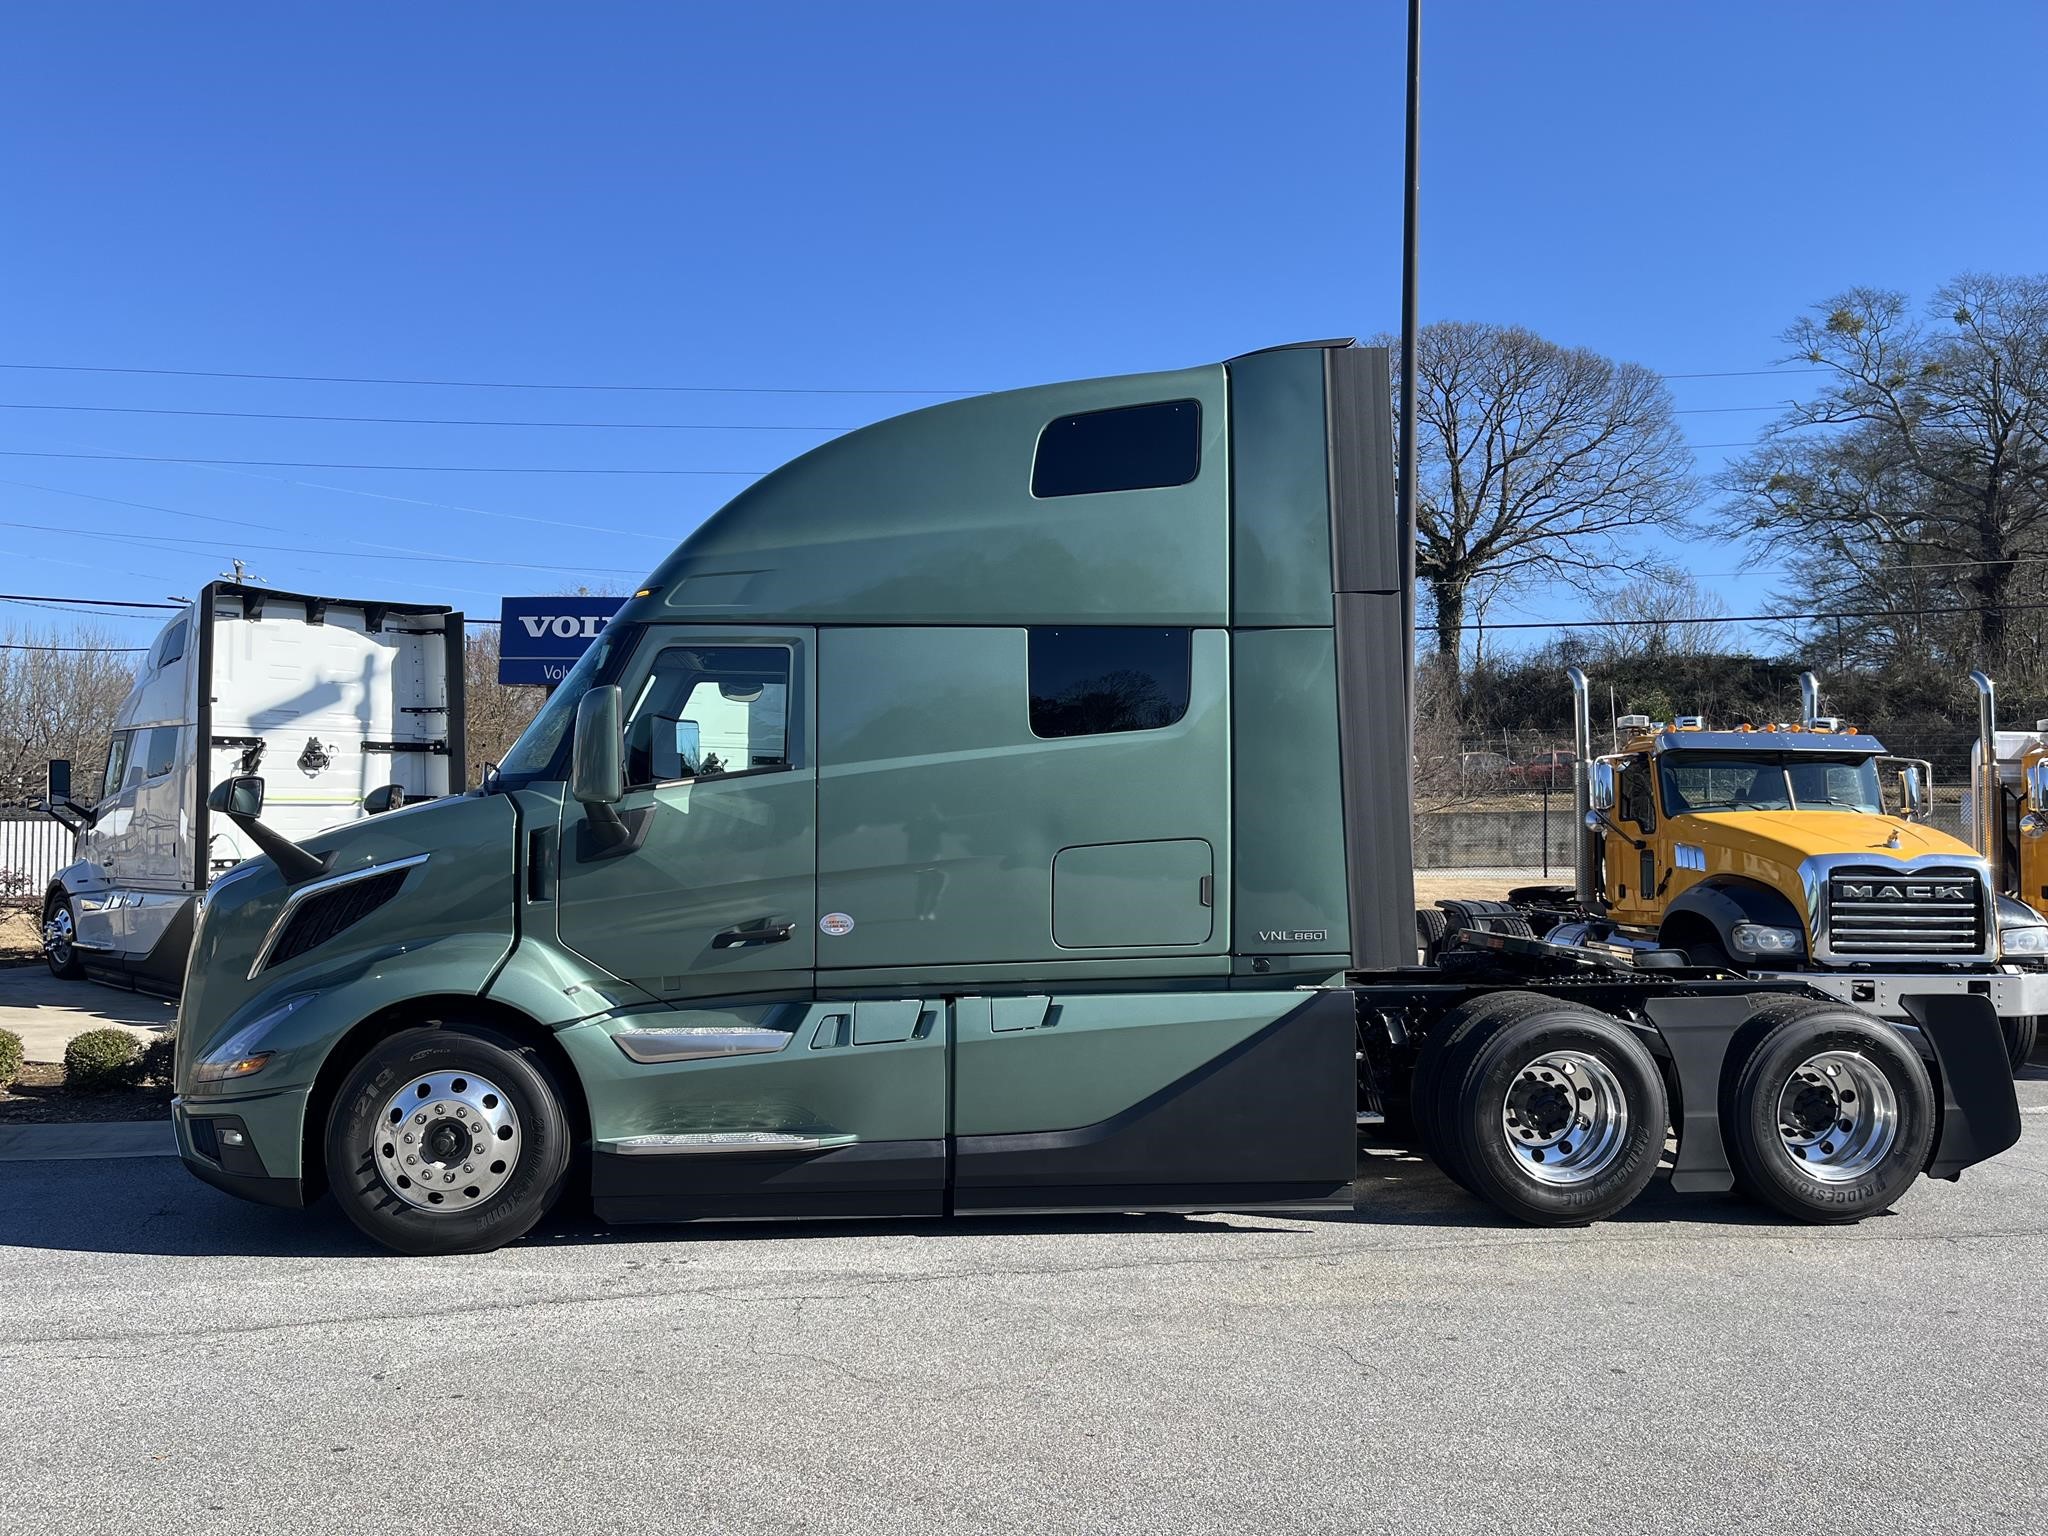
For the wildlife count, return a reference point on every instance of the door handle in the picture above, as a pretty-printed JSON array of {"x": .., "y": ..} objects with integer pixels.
[{"x": 766, "y": 930}]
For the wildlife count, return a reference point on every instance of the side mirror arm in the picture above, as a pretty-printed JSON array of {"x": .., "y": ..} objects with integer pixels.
[{"x": 294, "y": 862}]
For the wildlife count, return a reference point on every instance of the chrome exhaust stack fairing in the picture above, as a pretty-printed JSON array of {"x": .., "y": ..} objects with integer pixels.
[{"x": 1584, "y": 847}]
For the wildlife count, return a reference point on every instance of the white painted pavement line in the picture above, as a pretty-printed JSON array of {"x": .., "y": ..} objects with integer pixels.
[{"x": 73, "y": 1140}]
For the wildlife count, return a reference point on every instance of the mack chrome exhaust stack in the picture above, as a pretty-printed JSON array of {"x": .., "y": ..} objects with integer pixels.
[
  {"x": 1809, "y": 698},
  {"x": 1985, "y": 830},
  {"x": 1584, "y": 847}
]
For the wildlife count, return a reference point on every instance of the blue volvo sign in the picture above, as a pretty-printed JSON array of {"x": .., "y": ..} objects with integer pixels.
[{"x": 539, "y": 638}]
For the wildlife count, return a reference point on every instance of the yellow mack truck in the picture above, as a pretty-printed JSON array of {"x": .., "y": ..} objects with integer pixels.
[{"x": 1770, "y": 852}]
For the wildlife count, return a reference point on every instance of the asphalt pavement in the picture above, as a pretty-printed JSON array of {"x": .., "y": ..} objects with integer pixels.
[{"x": 175, "y": 1360}]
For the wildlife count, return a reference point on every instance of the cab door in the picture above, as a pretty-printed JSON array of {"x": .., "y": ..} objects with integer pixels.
[
  {"x": 1633, "y": 863},
  {"x": 713, "y": 895}
]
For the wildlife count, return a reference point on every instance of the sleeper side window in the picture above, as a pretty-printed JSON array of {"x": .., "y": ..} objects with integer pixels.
[
  {"x": 708, "y": 712},
  {"x": 1133, "y": 448},
  {"x": 161, "y": 755},
  {"x": 1087, "y": 680},
  {"x": 173, "y": 648}
]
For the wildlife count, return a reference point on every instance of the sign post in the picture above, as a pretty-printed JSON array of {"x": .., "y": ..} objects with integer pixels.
[{"x": 540, "y": 638}]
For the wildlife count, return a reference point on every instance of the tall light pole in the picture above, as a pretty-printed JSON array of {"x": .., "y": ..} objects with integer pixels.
[{"x": 1405, "y": 490}]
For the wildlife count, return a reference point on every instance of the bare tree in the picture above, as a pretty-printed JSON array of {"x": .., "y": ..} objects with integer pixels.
[
  {"x": 59, "y": 691},
  {"x": 1534, "y": 457},
  {"x": 1918, "y": 478},
  {"x": 497, "y": 712},
  {"x": 1664, "y": 614}
]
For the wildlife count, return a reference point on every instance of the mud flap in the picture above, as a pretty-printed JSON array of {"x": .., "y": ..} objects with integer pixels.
[
  {"x": 1696, "y": 1032},
  {"x": 1980, "y": 1112}
]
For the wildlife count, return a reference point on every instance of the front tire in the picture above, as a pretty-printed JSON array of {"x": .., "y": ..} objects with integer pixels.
[
  {"x": 448, "y": 1140},
  {"x": 60, "y": 938},
  {"x": 2022, "y": 1033},
  {"x": 1828, "y": 1113}
]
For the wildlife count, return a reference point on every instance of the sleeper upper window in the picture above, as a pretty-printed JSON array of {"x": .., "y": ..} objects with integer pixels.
[
  {"x": 1089, "y": 679},
  {"x": 173, "y": 648},
  {"x": 1133, "y": 448},
  {"x": 708, "y": 711}
]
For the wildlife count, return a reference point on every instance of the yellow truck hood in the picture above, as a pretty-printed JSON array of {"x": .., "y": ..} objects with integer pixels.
[{"x": 1786, "y": 837}]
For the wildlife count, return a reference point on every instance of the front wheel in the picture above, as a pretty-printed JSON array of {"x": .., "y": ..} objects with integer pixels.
[
  {"x": 448, "y": 1140},
  {"x": 2022, "y": 1033},
  {"x": 60, "y": 938}
]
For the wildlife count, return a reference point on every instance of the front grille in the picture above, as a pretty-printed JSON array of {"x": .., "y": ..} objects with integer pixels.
[
  {"x": 320, "y": 917},
  {"x": 1931, "y": 912}
]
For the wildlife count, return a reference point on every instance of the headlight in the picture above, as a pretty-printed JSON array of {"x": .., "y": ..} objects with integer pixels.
[
  {"x": 1762, "y": 939},
  {"x": 243, "y": 1054},
  {"x": 2029, "y": 939}
]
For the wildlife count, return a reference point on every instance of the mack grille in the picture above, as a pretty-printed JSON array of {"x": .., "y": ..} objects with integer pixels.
[{"x": 1892, "y": 916}]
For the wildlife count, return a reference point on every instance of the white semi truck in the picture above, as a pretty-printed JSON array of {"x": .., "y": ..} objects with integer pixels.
[{"x": 348, "y": 707}]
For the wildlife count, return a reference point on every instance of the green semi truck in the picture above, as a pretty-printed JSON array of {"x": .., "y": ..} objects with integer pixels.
[{"x": 1001, "y": 808}]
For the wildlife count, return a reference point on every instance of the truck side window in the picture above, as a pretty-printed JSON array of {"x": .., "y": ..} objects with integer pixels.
[
  {"x": 1134, "y": 448},
  {"x": 1637, "y": 805},
  {"x": 710, "y": 712},
  {"x": 1090, "y": 679},
  {"x": 117, "y": 763},
  {"x": 174, "y": 645},
  {"x": 161, "y": 754}
]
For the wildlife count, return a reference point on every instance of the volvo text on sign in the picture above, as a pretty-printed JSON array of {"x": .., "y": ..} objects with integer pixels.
[{"x": 541, "y": 637}]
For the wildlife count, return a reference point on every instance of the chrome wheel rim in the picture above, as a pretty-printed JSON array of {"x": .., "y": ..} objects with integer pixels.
[
  {"x": 58, "y": 935},
  {"x": 1565, "y": 1117},
  {"x": 1838, "y": 1115},
  {"x": 446, "y": 1142}
]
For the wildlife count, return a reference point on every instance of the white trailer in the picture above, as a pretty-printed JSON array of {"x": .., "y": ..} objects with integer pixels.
[{"x": 336, "y": 702}]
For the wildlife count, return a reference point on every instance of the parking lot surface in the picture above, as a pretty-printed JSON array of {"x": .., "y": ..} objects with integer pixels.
[{"x": 176, "y": 1360}]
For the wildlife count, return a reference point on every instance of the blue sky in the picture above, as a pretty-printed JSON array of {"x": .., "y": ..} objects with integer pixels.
[{"x": 887, "y": 197}]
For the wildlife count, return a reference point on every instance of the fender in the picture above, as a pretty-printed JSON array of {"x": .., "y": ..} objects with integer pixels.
[{"x": 1723, "y": 902}]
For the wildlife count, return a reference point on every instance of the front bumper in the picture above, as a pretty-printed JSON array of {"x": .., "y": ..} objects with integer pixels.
[
  {"x": 2011, "y": 993},
  {"x": 224, "y": 1144}
]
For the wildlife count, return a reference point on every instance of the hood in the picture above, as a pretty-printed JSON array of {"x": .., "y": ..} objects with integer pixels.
[
  {"x": 1794, "y": 835},
  {"x": 457, "y": 861}
]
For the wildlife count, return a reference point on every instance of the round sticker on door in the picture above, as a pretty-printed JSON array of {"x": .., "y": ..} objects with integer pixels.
[{"x": 837, "y": 924}]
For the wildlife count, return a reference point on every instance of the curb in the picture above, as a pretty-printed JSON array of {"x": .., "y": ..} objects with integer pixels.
[{"x": 71, "y": 1141}]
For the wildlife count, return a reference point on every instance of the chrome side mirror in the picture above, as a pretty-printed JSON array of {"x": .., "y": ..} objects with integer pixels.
[
  {"x": 1600, "y": 791},
  {"x": 2037, "y": 786},
  {"x": 1912, "y": 793}
]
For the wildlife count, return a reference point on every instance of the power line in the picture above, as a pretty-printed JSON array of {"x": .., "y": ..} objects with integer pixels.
[
  {"x": 91, "y": 602},
  {"x": 1751, "y": 618},
  {"x": 317, "y": 378},
  {"x": 586, "y": 426},
  {"x": 94, "y": 650},
  {"x": 657, "y": 389},
  {"x": 461, "y": 421},
  {"x": 438, "y": 469},
  {"x": 153, "y": 541}
]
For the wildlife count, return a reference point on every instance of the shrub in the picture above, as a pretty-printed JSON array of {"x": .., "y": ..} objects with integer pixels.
[
  {"x": 10, "y": 1058},
  {"x": 157, "y": 1060},
  {"x": 102, "y": 1058}
]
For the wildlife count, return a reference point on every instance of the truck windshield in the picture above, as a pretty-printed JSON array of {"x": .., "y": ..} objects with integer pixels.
[
  {"x": 541, "y": 751},
  {"x": 1700, "y": 782}
]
